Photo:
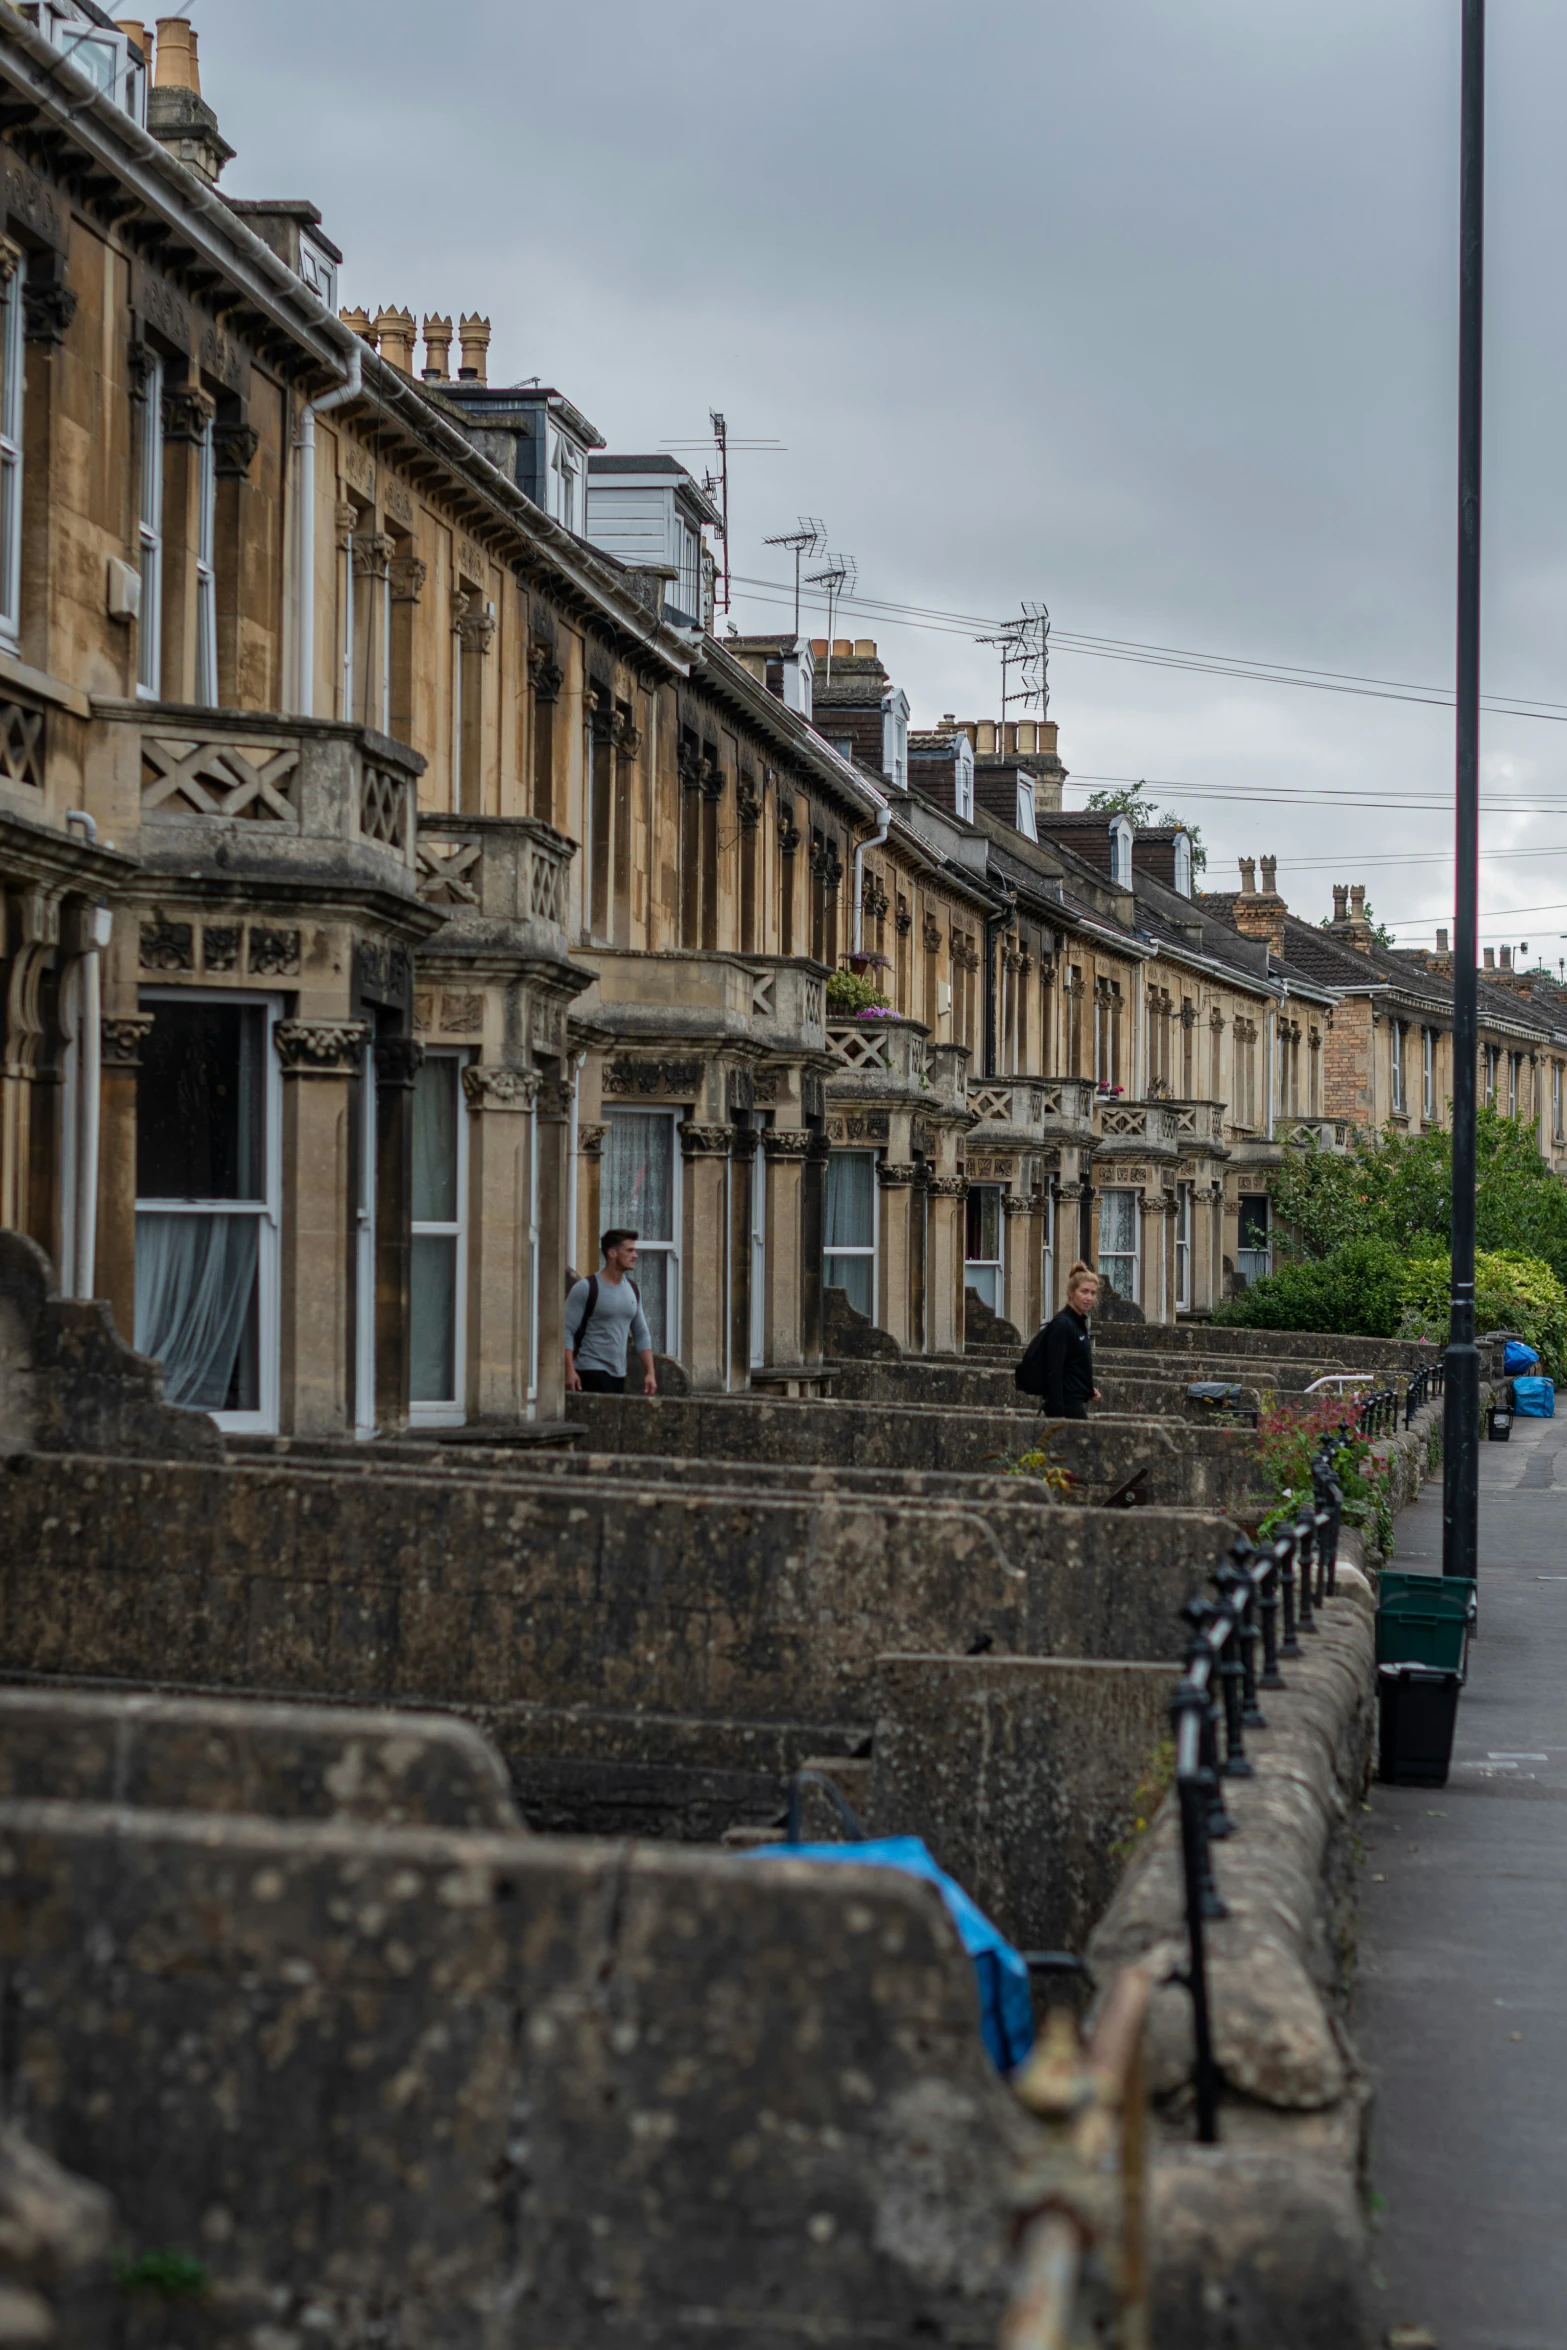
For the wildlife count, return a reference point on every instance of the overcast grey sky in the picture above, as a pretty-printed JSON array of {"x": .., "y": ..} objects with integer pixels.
[{"x": 1142, "y": 308}]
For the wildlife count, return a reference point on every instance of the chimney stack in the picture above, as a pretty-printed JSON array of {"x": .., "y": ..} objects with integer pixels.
[
  {"x": 1357, "y": 901},
  {"x": 1441, "y": 942},
  {"x": 1341, "y": 901},
  {"x": 395, "y": 334},
  {"x": 1490, "y": 958},
  {"x": 1248, "y": 866},
  {"x": 1270, "y": 876},
  {"x": 437, "y": 350},
  {"x": 178, "y": 116},
  {"x": 1507, "y": 958},
  {"x": 474, "y": 336}
]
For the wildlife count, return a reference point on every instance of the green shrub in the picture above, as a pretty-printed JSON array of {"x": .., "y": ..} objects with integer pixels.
[
  {"x": 1512, "y": 1292},
  {"x": 1355, "y": 1290},
  {"x": 852, "y": 992}
]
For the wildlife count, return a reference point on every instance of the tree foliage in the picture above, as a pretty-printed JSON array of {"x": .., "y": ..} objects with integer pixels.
[{"x": 1131, "y": 799}]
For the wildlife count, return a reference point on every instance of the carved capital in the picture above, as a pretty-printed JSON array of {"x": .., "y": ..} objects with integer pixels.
[
  {"x": 321, "y": 1048},
  {"x": 788, "y": 833},
  {"x": 187, "y": 413},
  {"x": 948, "y": 1186},
  {"x": 497, "y": 1088},
  {"x": 590, "y": 1141},
  {"x": 704, "y": 1142},
  {"x": 711, "y": 779},
  {"x": 234, "y": 445},
  {"x": 786, "y": 1142},
  {"x": 168, "y": 946},
  {"x": 398, "y": 1060},
  {"x": 748, "y": 802},
  {"x": 372, "y": 553},
  {"x": 123, "y": 1040},
  {"x": 545, "y": 673},
  {"x": 10, "y": 259},
  {"x": 47, "y": 310},
  {"x": 406, "y": 575},
  {"x": 1012, "y": 1205},
  {"x": 476, "y": 630},
  {"x": 895, "y": 1175}
]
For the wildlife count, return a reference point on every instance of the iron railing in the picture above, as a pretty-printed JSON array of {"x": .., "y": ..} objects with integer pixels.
[
  {"x": 1379, "y": 1413},
  {"x": 1267, "y": 1597},
  {"x": 1429, "y": 1380}
]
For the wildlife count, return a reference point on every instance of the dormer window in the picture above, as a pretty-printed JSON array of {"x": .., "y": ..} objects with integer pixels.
[
  {"x": 1121, "y": 852},
  {"x": 318, "y": 269},
  {"x": 97, "y": 48},
  {"x": 895, "y": 737},
  {"x": 563, "y": 483},
  {"x": 963, "y": 779},
  {"x": 1025, "y": 807}
]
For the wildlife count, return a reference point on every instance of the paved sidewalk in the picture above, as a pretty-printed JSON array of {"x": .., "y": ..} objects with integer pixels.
[{"x": 1461, "y": 2007}]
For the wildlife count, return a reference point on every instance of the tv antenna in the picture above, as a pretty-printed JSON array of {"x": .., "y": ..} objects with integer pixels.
[
  {"x": 837, "y": 576},
  {"x": 1024, "y": 646},
  {"x": 809, "y": 539},
  {"x": 717, "y": 484}
]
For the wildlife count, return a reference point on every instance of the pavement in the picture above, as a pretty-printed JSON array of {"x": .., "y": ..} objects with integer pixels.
[{"x": 1461, "y": 1999}]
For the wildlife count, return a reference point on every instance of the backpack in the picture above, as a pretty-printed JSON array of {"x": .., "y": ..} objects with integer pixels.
[
  {"x": 1030, "y": 1372},
  {"x": 592, "y": 1307}
]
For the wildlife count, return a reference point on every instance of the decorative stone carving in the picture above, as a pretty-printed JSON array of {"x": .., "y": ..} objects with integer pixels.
[
  {"x": 167, "y": 946},
  {"x": 476, "y": 629},
  {"x": 661, "y": 1079},
  {"x": 688, "y": 761},
  {"x": 220, "y": 945},
  {"x": 10, "y": 259},
  {"x": 398, "y": 1060},
  {"x": 788, "y": 833},
  {"x": 424, "y": 1011},
  {"x": 234, "y": 446},
  {"x": 274, "y": 954},
  {"x": 626, "y": 738},
  {"x": 372, "y": 554},
  {"x": 743, "y": 1141},
  {"x": 556, "y": 1095},
  {"x": 188, "y": 412},
  {"x": 932, "y": 935},
  {"x": 500, "y": 1089},
  {"x": 948, "y": 1186},
  {"x": 859, "y": 1126},
  {"x": 712, "y": 776},
  {"x": 895, "y": 1175},
  {"x": 48, "y": 308},
  {"x": 123, "y": 1039},
  {"x": 741, "y": 1089},
  {"x": 461, "y": 1013},
  {"x": 1011, "y": 1205},
  {"x": 405, "y": 578},
  {"x": 748, "y": 801},
  {"x": 704, "y": 1142},
  {"x": 903, "y": 921},
  {"x": 786, "y": 1142},
  {"x": 545, "y": 673},
  {"x": 321, "y": 1048},
  {"x": 590, "y": 1141}
]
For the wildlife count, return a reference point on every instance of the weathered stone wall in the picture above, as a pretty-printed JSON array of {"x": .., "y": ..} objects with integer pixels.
[
  {"x": 1020, "y": 1774},
  {"x": 285, "y": 1580},
  {"x": 459, "y": 2092},
  {"x": 69, "y": 1382},
  {"x": 56, "y": 2288},
  {"x": 160, "y": 1753}
]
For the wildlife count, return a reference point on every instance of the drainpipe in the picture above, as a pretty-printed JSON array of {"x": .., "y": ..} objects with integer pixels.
[
  {"x": 883, "y": 827},
  {"x": 81, "y": 1274},
  {"x": 577, "y": 1060},
  {"x": 305, "y": 443}
]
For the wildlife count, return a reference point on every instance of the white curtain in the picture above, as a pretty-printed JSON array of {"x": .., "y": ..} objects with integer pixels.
[
  {"x": 850, "y": 1225},
  {"x": 637, "y": 1186},
  {"x": 195, "y": 1280}
]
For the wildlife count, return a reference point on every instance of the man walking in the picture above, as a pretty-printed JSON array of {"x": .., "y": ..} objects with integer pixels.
[
  {"x": 1069, "y": 1360},
  {"x": 603, "y": 1317}
]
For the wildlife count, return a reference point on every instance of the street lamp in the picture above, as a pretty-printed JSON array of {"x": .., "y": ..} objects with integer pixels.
[{"x": 1461, "y": 1412}]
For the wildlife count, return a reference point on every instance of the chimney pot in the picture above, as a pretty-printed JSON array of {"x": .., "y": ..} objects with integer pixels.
[
  {"x": 865, "y": 648},
  {"x": 818, "y": 648},
  {"x": 437, "y": 349},
  {"x": 136, "y": 32},
  {"x": 1490, "y": 958},
  {"x": 1357, "y": 901},
  {"x": 395, "y": 334},
  {"x": 177, "y": 67},
  {"x": 473, "y": 333},
  {"x": 1248, "y": 866},
  {"x": 1341, "y": 901},
  {"x": 1507, "y": 958},
  {"x": 1441, "y": 942},
  {"x": 358, "y": 322},
  {"x": 1270, "y": 875},
  {"x": 843, "y": 648}
]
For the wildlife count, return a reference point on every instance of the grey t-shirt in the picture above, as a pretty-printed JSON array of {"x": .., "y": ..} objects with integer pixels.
[{"x": 617, "y": 1318}]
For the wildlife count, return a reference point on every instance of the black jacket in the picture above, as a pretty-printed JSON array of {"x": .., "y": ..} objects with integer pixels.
[{"x": 1069, "y": 1365}]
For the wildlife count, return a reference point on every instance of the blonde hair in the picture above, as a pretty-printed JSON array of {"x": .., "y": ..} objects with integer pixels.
[{"x": 1080, "y": 1272}]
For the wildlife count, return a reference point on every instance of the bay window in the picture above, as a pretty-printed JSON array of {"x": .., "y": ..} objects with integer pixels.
[
  {"x": 439, "y": 1262},
  {"x": 983, "y": 1270},
  {"x": 1118, "y": 1219},
  {"x": 639, "y": 1191},
  {"x": 849, "y": 1229}
]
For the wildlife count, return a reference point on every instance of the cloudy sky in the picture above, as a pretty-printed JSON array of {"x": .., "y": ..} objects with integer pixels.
[{"x": 1145, "y": 310}]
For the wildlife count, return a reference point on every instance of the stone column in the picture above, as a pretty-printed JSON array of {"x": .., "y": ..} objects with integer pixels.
[
  {"x": 944, "y": 1312},
  {"x": 188, "y": 414},
  {"x": 397, "y": 1060},
  {"x": 895, "y": 1181},
  {"x": 1024, "y": 1267},
  {"x": 320, "y": 1061},
  {"x": 500, "y": 1268},
  {"x": 115, "y": 1276},
  {"x": 590, "y": 1172},
  {"x": 743, "y": 1165},
  {"x": 786, "y": 1149},
  {"x": 813, "y": 1225},
  {"x": 553, "y": 1143},
  {"x": 705, "y": 1248}
]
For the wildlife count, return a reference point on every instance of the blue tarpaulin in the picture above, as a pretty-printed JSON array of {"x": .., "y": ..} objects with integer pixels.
[
  {"x": 1006, "y": 2007},
  {"x": 1518, "y": 1357},
  {"x": 1534, "y": 1399}
]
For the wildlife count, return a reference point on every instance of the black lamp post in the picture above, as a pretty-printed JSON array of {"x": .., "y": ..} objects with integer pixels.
[{"x": 1461, "y": 1415}]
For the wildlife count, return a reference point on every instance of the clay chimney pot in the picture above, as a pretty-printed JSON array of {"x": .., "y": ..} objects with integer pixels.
[
  {"x": 177, "y": 66},
  {"x": 473, "y": 333},
  {"x": 1441, "y": 942},
  {"x": 1507, "y": 958},
  {"x": 395, "y": 333},
  {"x": 1341, "y": 901},
  {"x": 1270, "y": 875},
  {"x": 437, "y": 349},
  {"x": 1490, "y": 958},
  {"x": 1357, "y": 901},
  {"x": 1248, "y": 866},
  {"x": 136, "y": 33},
  {"x": 358, "y": 322}
]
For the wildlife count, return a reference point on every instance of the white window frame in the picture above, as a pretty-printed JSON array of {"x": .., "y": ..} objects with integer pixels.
[
  {"x": 13, "y": 389},
  {"x": 963, "y": 780},
  {"x": 1427, "y": 1072},
  {"x": 874, "y": 1251},
  {"x": 1133, "y": 1256},
  {"x": 364, "y": 1259},
  {"x": 1255, "y": 1263},
  {"x": 996, "y": 1265},
  {"x": 666, "y": 1248},
  {"x": 1121, "y": 852},
  {"x": 1400, "y": 1037},
  {"x": 1183, "y": 1248},
  {"x": 1556, "y": 1098},
  {"x": 1183, "y": 864},
  {"x": 263, "y": 1421},
  {"x": 451, "y": 1411},
  {"x": 758, "y": 1348},
  {"x": 149, "y": 536},
  {"x": 1048, "y": 1293},
  {"x": 206, "y": 568},
  {"x": 1026, "y": 821}
]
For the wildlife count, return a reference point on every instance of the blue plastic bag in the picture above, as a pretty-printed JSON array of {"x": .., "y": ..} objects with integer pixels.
[
  {"x": 1534, "y": 1399},
  {"x": 1518, "y": 1357},
  {"x": 1006, "y": 2007}
]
